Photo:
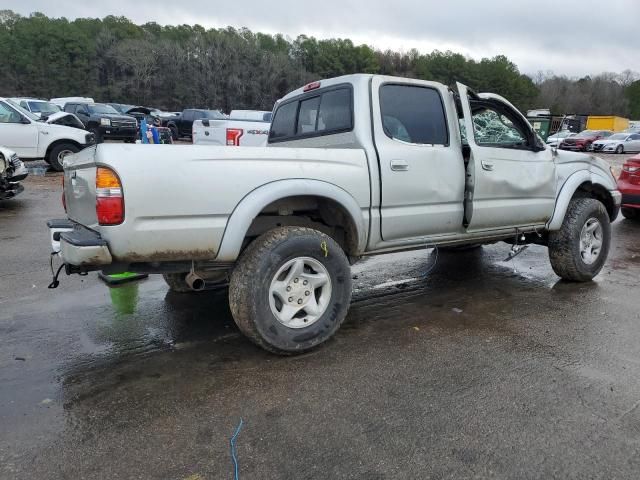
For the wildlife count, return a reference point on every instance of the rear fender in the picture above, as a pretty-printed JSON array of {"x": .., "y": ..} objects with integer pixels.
[{"x": 252, "y": 204}]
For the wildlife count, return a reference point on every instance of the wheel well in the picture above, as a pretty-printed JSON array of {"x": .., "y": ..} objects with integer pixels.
[
  {"x": 320, "y": 213},
  {"x": 60, "y": 142},
  {"x": 590, "y": 190}
]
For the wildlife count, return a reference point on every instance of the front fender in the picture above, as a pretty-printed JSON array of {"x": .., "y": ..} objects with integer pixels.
[
  {"x": 254, "y": 202},
  {"x": 568, "y": 190}
]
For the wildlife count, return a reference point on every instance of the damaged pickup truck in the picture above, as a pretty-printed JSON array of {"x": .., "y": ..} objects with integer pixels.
[{"x": 357, "y": 165}]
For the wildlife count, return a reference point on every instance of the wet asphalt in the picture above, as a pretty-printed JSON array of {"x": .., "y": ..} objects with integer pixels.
[{"x": 449, "y": 365}]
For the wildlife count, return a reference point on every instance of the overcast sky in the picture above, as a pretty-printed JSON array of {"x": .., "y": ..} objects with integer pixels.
[{"x": 571, "y": 37}]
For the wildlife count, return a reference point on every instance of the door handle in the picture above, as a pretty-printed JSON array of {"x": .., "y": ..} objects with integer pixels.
[
  {"x": 399, "y": 165},
  {"x": 487, "y": 165}
]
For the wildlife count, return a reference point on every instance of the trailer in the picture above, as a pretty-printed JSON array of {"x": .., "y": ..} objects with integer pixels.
[{"x": 607, "y": 122}]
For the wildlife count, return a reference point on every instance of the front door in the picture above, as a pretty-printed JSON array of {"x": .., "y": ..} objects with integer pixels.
[
  {"x": 17, "y": 132},
  {"x": 422, "y": 176},
  {"x": 511, "y": 174}
]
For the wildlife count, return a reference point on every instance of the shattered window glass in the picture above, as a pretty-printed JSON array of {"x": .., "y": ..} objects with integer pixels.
[{"x": 492, "y": 128}]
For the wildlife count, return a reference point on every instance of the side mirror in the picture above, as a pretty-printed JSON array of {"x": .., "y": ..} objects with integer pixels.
[{"x": 25, "y": 121}]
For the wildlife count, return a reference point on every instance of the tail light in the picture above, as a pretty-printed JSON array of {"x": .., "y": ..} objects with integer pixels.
[
  {"x": 233, "y": 136},
  {"x": 311, "y": 86},
  {"x": 630, "y": 169},
  {"x": 109, "y": 198}
]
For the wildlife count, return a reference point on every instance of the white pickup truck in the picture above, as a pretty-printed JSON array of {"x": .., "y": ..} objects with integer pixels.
[
  {"x": 243, "y": 128},
  {"x": 32, "y": 137},
  {"x": 356, "y": 165}
]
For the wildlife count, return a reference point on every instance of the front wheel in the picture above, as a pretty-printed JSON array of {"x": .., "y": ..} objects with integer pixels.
[
  {"x": 57, "y": 154},
  {"x": 579, "y": 249},
  {"x": 290, "y": 290}
]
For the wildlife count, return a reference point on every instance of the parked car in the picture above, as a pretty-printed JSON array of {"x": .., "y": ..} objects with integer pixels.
[
  {"x": 40, "y": 108},
  {"x": 629, "y": 186},
  {"x": 121, "y": 107},
  {"x": 104, "y": 121},
  {"x": 182, "y": 125},
  {"x": 12, "y": 172},
  {"x": 583, "y": 140},
  {"x": 232, "y": 131},
  {"x": 356, "y": 165},
  {"x": 555, "y": 139},
  {"x": 62, "y": 101},
  {"x": 618, "y": 143},
  {"x": 34, "y": 138}
]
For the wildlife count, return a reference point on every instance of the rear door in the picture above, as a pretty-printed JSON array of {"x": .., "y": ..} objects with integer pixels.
[
  {"x": 422, "y": 176},
  {"x": 512, "y": 179},
  {"x": 634, "y": 143}
]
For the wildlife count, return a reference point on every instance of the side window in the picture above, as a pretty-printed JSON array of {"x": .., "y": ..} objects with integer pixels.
[
  {"x": 308, "y": 115},
  {"x": 188, "y": 115},
  {"x": 198, "y": 114},
  {"x": 8, "y": 114},
  {"x": 284, "y": 121},
  {"x": 335, "y": 110},
  {"x": 495, "y": 128},
  {"x": 413, "y": 114}
]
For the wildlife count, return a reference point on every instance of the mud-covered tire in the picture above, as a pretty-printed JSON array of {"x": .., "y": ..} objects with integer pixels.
[
  {"x": 630, "y": 213},
  {"x": 176, "y": 282},
  {"x": 56, "y": 154},
  {"x": 250, "y": 289},
  {"x": 565, "y": 244}
]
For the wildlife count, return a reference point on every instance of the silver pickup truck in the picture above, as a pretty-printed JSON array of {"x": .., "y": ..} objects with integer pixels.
[{"x": 356, "y": 165}]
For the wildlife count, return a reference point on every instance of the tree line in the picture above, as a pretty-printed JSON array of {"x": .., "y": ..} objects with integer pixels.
[{"x": 174, "y": 67}]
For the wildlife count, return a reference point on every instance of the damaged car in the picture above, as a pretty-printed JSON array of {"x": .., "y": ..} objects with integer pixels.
[
  {"x": 33, "y": 138},
  {"x": 12, "y": 172}
]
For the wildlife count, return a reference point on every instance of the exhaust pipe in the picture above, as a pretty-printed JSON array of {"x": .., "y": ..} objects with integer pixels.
[{"x": 195, "y": 282}]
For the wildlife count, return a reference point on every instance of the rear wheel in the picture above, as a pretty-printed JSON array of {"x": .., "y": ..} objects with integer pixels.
[
  {"x": 620, "y": 149},
  {"x": 290, "y": 290},
  {"x": 57, "y": 154},
  {"x": 630, "y": 213},
  {"x": 579, "y": 249}
]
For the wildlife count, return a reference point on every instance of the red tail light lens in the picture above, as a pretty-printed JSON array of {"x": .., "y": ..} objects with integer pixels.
[
  {"x": 233, "y": 136},
  {"x": 109, "y": 197}
]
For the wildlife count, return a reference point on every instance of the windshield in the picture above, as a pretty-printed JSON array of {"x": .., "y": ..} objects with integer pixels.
[
  {"x": 215, "y": 115},
  {"x": 44, "y": 107},
  {"x": 98, "y": 108},
  {"x": 24, "y": 112},
  {"x": 619, "y": 136}
]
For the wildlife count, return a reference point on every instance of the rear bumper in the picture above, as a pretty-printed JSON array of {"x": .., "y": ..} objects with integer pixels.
[
  {"x": 630, "y": 193},
  {"x": 78, "y": 245}
]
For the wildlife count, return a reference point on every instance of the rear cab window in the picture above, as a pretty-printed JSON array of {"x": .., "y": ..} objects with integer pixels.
[{"x": 325, "y": 111}]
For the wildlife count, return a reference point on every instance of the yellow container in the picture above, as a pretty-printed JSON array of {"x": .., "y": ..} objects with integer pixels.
[{"x": 607, "y": 122}]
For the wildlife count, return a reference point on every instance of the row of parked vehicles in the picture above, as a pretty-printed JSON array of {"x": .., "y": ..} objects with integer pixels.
[
  {"x": 49, "y": 130},
  {"x": 604, "y": 141}
]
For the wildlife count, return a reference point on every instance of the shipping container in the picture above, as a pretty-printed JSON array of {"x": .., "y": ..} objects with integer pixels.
[{"x": 607, "y": 122}]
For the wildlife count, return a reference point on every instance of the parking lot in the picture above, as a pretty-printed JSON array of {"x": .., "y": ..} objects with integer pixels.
[{"x": 449, "y": 365}]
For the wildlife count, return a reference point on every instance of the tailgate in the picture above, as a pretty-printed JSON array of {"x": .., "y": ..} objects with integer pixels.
[{"x": 80, "y": 187}]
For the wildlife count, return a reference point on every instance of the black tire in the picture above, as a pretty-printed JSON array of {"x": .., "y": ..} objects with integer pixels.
[
  {"x": 57, "y": 153},
  {"x": 630, "y": 213},
  {"x": 249, "y": 289},
  {"x": 176, "y": 282},
  {"x": 564, "y": 244},
  {"x": 175, "y": 135},
  {"x": 620, "y": 149},
  {"x": 97, "y": 135}
]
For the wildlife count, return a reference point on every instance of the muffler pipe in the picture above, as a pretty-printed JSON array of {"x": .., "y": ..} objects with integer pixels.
[{"x": 195, "y": 282}]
